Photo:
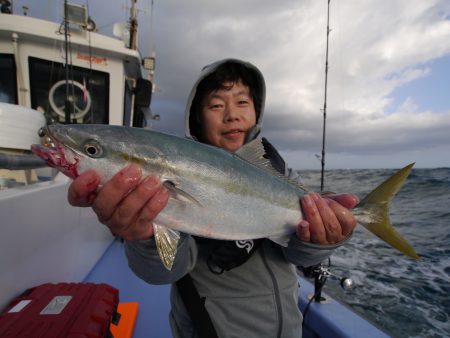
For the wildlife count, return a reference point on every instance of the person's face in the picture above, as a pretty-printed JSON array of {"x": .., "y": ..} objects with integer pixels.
[{"x": 227, "y": 115}]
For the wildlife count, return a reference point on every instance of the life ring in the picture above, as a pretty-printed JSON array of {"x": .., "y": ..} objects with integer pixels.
[{"x": 79, "y": 112}]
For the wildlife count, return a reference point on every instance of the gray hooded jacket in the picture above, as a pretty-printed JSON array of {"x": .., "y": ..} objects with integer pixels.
[{"x": 257, "y": 297}]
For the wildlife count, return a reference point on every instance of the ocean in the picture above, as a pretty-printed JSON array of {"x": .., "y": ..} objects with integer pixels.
[{"x": 403, "y": 297}]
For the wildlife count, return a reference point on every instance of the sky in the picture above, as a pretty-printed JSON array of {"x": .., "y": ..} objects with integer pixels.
[{"x": 388, "y": 94}]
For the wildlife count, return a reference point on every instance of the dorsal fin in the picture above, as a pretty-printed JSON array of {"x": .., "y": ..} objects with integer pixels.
[{"x": 253, "y": 152}]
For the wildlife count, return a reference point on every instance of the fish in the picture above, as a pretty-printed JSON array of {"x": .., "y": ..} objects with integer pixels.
[{"x": 213, "y": 193}]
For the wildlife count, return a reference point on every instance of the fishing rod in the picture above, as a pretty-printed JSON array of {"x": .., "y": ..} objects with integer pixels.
[
  {"x": 322, "y": 159},
  {"x": 67, "y": 104},
  {"x": 319, "y": 273}
]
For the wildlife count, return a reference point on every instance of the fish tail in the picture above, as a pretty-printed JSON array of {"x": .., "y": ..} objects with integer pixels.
[{"x": 374, "y": 210}]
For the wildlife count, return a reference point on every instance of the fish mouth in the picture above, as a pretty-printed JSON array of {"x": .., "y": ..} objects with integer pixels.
[{"x": 57, "y": 155}]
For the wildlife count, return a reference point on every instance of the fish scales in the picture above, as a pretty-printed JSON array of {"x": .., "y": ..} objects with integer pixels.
[
  {"x": 213, "y": 193},
  {"x": 235, "y": 200}
]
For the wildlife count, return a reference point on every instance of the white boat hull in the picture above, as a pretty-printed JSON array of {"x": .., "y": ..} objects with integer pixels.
[{"x": 44, "y": 239}]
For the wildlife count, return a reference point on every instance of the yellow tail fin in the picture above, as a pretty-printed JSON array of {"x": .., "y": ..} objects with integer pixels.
[{"x": 374, "y": 212}]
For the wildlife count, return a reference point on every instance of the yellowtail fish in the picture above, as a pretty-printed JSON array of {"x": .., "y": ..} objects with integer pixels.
[{"x": 213, "y": 193}]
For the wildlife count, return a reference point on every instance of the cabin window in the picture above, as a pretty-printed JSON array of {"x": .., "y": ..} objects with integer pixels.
[
  {"x": 85, "y": 92},
  {"x": 8, "y": 81}
]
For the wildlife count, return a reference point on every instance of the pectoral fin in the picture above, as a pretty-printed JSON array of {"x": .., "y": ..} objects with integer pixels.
[
  {"x": 180, "y": 194},
  {"x": 166, "y": 243}
]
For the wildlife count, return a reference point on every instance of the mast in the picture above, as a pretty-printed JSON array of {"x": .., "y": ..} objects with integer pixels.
[
  {"x": 322, "y": 174},
  {"x": 133, "y": 25}
]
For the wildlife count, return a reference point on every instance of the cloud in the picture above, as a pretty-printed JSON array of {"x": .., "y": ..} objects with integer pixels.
[{"x": 376, "y": 47}]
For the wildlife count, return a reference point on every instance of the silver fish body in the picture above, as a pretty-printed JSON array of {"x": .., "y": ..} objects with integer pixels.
[
  {"x": 220, "y": 195},
  {"x": 213, "y": 193}
]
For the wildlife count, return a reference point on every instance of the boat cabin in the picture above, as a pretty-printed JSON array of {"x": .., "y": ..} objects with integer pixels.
[{"x": 71, "y": 75}]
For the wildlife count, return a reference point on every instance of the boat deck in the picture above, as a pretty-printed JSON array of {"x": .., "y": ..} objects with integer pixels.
[
  {"x": 154, "y": 306},
  {"x": 323, "y": 320}
]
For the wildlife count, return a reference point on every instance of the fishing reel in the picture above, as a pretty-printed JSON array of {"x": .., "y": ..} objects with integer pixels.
[{"x": 321, "y": 273}]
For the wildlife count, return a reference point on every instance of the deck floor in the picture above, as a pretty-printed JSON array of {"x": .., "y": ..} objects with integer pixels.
[{"x": 154, "y": 305}]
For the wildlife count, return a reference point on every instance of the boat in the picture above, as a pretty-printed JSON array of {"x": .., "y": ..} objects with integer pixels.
[
  {"x": 58, "y": 73},
  {"x": 69, "y": 73}
]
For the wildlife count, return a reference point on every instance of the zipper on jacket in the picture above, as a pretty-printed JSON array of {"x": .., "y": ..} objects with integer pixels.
[{"x": 276, "y": 290}]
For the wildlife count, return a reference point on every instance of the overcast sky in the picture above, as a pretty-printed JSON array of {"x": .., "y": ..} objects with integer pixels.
[{"x": 389, "y": 70}]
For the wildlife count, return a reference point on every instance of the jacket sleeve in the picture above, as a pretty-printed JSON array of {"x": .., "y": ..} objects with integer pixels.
[
  {"x": 144, "y": 261},
  {"x": 307, "y": 254}
]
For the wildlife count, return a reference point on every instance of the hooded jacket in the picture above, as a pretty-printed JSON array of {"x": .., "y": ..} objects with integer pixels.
[
  {"x": 254, "y": 296},
  {"x": 259, "y": 92}
]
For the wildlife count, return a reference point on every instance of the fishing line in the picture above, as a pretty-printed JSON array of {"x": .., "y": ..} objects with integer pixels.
[{"x": 317, "y": 292}]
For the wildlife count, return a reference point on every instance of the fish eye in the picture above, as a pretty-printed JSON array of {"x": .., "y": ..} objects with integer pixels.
[
  {"x": 93, "y": 149},
  {"x": 42, "y": 132}
]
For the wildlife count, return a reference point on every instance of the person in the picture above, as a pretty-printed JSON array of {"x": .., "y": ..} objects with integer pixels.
[{"x": 221, "y": 288}]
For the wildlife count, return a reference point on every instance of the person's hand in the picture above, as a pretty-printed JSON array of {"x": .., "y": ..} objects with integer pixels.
[
  {"x": 126, "y": 203},
  {"x": 326, "y": 220}
]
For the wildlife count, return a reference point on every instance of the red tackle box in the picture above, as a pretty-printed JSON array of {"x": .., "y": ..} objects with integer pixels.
[{"x": 62, "y": 310}]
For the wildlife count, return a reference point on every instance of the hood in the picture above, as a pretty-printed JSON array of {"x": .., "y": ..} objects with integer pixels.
[{"x": 259, "y": 91}]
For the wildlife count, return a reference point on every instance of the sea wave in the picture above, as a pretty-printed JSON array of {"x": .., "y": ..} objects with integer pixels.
[{"x": 405, "y": 298}]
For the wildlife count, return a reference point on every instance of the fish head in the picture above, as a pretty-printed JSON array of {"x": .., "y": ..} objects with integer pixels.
[{"x": 74, "y": 149}]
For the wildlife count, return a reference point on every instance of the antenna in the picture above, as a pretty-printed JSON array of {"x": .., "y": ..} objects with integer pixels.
[{"x": 322, "y": 174}]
